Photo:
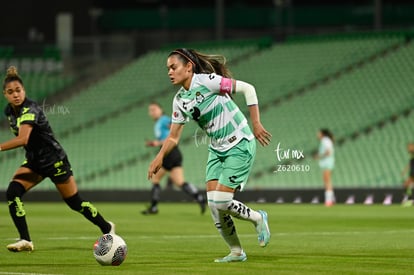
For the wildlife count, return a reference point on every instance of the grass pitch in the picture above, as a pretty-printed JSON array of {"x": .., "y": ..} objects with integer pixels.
[{"x": 306, "y": 239}]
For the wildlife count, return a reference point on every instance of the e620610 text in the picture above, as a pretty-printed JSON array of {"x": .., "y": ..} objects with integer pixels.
[{"x": 292, "y": 168}]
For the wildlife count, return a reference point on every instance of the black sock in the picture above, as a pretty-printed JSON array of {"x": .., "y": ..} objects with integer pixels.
[
  {"x": 192, "y": 191},
  {"x": 14, "y": 193},
  {"x": 88, "y": 211},
  {"x": 155, "y": 195}
]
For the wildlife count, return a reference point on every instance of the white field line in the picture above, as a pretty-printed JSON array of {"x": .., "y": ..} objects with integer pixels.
[
  {"x": 19, "y": 273},
  {"x": 200, "y": 236}
]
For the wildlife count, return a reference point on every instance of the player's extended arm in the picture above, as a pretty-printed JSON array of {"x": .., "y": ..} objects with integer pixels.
[
  {"x": 169, "y": 143},
  {"x": 154, "y": 143},
  {"x": 261, "y": 134},
  {"x": 21, "y": 140}
]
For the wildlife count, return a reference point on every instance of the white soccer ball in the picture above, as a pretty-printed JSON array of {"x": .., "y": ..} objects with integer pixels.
[{"x": 110, "y": 249}]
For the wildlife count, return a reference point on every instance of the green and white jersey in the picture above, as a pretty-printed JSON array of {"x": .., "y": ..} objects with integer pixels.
[
  {"x": 327, "y": 162},
  {"x": 208, "y": 103}
]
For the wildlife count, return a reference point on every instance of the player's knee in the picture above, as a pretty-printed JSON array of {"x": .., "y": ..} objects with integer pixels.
[
  {"x": 74, "y": 202},
  {"x": 210, "y": 200},
  {"x": 15, "y": 190},
  {"x": 222, "y": 206},
  {"x": 223, "y": 200}
]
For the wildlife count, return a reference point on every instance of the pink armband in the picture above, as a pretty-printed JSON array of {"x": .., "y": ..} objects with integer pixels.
[{"x": 226, "y": 85}]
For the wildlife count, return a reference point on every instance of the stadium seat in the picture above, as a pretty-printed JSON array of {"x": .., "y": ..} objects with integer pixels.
[{"x": 348, "y": 83}]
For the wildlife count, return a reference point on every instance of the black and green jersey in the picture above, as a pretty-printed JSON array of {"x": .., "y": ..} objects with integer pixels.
[{"x": 42, "y": 148}]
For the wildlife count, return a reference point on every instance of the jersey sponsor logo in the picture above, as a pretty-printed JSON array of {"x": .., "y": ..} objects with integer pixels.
[
  {"x": 232, "y": 179},
  {"x": 59, "y": 172},
  {"x": 199, "y": 97},
  {"x": 195, "y": 113},
  {"x": 25, "y": 110},
  {"x": 208, "y": 126},
  {"x": 58, "y": 164},
  {"x": 233, "y": 138},
  {"x": 185, "y": 105}
]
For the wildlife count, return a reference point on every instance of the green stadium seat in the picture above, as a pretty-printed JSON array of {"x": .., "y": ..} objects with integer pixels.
[{"x": 108, "y": 123}]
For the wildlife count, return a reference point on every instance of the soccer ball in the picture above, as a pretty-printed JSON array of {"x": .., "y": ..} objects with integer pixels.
[{"x": 110, "y": 249}]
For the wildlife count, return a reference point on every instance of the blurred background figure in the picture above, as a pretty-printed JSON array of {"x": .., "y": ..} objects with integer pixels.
[
  {"x": 172, "y": 163},
  {"x": 409, "y": 181},
  {"x": 326, "y": 157}
]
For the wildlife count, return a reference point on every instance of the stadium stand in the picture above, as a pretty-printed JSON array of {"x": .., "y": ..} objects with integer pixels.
[
  {"x": 343, "y": 83},
  {"x": 354, "y": 103},
  {"x": 115, "y": 109},
  {"x": 42, "y": 73}
]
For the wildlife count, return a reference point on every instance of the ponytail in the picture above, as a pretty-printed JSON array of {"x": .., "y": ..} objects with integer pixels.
[{"x": 203, "y": 63}]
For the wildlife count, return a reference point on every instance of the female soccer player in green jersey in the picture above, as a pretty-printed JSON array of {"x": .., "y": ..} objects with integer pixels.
[
  {"x": 45, "y": 157},
  {"x": 205, "y": 97}
]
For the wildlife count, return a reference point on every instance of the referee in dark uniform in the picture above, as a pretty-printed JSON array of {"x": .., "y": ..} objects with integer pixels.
[{"x": 45, "y": 157}]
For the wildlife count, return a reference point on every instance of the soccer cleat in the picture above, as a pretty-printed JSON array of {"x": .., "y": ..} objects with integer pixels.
[
  {"x": 232, "y": 258},
  {"x": 112, "y": 231},
  {"x": 21, "y": 245},
  {"x": 262, "y": 229},
  {"x": 150, "y": 211}
]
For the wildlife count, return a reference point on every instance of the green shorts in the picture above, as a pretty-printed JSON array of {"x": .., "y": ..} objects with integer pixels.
[{"x": 232, "y": 168}]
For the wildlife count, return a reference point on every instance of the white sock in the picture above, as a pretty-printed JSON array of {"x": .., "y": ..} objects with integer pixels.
[
  {"x": 229, "y": 234},
  {"x": 224, "y": 202},
  {"x": 329, "y": 196},
  {"x": 224, "y": 225},
  {"x": 211, "y": 205}
]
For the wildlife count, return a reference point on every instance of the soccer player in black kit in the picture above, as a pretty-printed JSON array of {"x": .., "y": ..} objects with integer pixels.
[{"x": 45, "y": 157}]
